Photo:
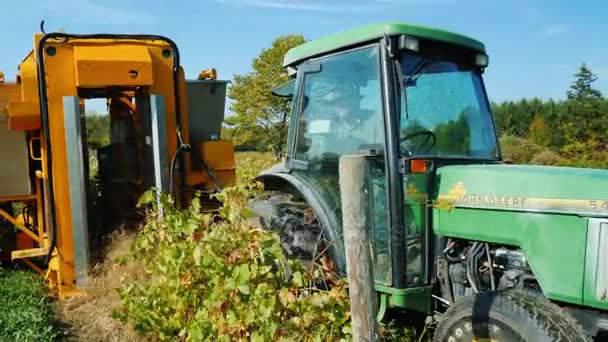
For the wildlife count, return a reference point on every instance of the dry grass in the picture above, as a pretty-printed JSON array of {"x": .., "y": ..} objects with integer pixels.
[{"x": 89, "y": 316}]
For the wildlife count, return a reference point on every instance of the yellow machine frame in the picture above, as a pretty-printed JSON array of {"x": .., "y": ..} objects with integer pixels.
[{"x": 91, "y": 66}]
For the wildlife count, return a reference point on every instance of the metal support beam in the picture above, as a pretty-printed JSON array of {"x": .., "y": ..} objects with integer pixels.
[
  {"x": 77, "y": 188},
  {"x": 159, "y": 145}
]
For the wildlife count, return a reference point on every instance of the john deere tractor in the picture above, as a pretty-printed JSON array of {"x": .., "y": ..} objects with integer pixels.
[{"x": 501, "y": 252}]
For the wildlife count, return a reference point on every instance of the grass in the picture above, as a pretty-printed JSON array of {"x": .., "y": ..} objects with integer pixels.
[{"x": 26, "y": 310}]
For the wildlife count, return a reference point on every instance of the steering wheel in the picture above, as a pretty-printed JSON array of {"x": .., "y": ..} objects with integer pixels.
[{"x": 427, "y": 144}]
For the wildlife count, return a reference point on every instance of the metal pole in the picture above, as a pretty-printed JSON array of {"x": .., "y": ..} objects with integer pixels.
[
  {"x": 159, "y": 148},
  {"x": 77, "y": 188},
  {"x": 353, "y": 171}
]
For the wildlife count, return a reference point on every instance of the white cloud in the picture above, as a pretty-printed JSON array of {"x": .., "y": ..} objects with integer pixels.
[{"x": 554, "y": 30}]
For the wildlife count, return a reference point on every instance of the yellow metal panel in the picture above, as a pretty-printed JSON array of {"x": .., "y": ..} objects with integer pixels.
[
  {"x": 219, "y": 155},
  {"x": 9, "y": 92},
  {"x": 112, "y": 65},
  {"x": 60, "y": 81},
  {"x": 163, "y": 85},
  {"x": 23, "y": 107},
  {"x": 28, "y": 74},
  {"x": 24, "y": 115}
]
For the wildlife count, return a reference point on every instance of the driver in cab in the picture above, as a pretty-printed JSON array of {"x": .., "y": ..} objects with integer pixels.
[{"x": 336, "y": 113}]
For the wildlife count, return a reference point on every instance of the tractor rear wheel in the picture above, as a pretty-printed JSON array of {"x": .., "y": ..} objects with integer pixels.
[
  {"x": 299, "y": 230},
  {"x": 507, "y": 316},
  {"x": 292, "y": 219}
]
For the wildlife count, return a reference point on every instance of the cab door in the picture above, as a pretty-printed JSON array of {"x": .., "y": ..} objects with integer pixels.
[{"x": 339, "y": 110}]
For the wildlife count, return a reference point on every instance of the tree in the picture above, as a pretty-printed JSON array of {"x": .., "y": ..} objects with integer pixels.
[
  {"x": 514, "y": 118},
  {"x": 539, "y": 131},
  {"x": 584, "y": 124},
  {"x": 581, "y": 89},
  {"x": 261, "y": 119},
  {"x": 97, "y": 130}
]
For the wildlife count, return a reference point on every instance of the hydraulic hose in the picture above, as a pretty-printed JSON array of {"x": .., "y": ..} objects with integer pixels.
[
  {"x": 491, "y": 268},
  {"x": 471, "y": 265},
  {"x": 210, "y": 173},
  {"x": 176, "y": 155},
  {"x": 44, "y": 108}
]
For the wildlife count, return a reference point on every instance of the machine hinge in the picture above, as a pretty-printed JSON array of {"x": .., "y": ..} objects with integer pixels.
[{"x": 402, "y": 165}]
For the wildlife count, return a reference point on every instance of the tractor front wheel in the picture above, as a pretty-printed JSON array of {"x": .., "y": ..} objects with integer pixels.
[{"x": 507, "y": 316}]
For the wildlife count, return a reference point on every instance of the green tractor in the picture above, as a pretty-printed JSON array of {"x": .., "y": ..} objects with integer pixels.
[{"x": 502, "y": 252}]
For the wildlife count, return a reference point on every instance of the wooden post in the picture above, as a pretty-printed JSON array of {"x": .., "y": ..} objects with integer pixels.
[{"x": 353, "y": 191}]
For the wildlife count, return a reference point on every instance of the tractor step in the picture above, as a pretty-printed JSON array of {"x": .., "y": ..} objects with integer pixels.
[{"x": 28, "y": 253}]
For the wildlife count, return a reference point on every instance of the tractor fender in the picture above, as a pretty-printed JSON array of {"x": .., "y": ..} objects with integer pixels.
[{"x": 280, "y": 178}]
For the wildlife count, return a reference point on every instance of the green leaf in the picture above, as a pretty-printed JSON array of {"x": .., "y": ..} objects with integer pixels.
[
  {"x": 146, "y": 198},
  {"x": 257, "y": 337},
  {"x": 243, "y": 274},
  {"x": 297, "y": 279},
  {"x": 196, "y": 255},
  {"x": 244, "y": 289}
]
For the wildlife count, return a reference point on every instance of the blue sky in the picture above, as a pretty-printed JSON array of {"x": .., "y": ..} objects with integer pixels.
[{"x": 535, "y": 46}]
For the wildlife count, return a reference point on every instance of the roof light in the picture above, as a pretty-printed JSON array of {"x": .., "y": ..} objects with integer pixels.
[
  {"x": 482, "y": 60},
  {"x": 291, "y": 71},
  {"x": 409, "y": 43}
]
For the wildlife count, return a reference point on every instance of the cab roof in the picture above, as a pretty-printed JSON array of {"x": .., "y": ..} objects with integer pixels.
[{"x": 372, "y": 32}]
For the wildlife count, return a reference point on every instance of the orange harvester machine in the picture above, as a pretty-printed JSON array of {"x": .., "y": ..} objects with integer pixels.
[{"x": 164, "y": 134}]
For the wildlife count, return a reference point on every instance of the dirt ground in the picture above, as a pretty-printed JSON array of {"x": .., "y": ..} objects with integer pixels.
[{"x": 88, "y": 317}]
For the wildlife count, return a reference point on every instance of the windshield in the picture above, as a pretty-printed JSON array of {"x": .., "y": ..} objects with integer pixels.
[{"x": 444, "y": 111}]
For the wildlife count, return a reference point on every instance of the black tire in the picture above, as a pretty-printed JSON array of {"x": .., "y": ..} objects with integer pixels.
[
  {"x": 293, "y": 220},
  {"x": 300, "y": 232},
  {"x": 509, "y": 315}
]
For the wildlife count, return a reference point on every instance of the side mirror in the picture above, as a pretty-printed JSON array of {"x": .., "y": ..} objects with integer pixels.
[{"x": 285, "y": 90}]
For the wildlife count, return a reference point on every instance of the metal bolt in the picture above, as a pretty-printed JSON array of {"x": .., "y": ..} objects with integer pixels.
[{"x": 51, "y": 51}]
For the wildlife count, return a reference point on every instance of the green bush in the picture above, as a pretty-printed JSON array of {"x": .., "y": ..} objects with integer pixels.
[
  {"x": 524, "y": 151},
  {"x": 548, "y": 157},
  {"x": 215, "y": 276},
  {"x": 26, "y": 313},
  {"x": 518, "y": 150}
]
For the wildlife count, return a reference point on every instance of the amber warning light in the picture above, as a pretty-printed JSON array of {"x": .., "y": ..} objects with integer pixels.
[{"x": 418, "y": 166}]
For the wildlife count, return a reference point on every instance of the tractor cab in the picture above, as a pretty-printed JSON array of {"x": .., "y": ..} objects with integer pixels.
[{"x": 411, "y": 98}]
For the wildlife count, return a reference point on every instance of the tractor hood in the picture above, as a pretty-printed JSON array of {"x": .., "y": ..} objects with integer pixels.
[{"x": 524, "y": 188}]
